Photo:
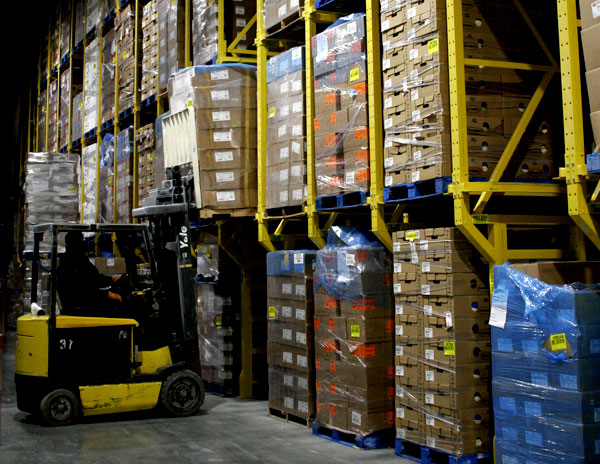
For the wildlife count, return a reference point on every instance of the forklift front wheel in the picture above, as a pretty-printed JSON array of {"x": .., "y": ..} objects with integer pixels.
[
  {"x": 60, "y": 407},
  {"x": 182, "y": 393}
]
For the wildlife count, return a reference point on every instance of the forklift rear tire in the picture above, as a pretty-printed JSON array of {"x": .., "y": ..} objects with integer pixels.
[
  {"x": 182, "y": 393},
  {"x": 60, "y": 407}
]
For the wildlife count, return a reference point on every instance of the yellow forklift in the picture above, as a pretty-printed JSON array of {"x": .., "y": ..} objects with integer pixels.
[{"x": 132, "y": 353}]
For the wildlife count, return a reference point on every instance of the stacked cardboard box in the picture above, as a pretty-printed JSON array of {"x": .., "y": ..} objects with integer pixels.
[
  {"x": 106, "y": 179},
  {"x": 442, "y": 341},
  {"x": 77, "y": 115},
  {"x": 243, "y": 11},
  {"x": 171, "y": 35},
  {"x": 149, "y": 84},
  {"x": 286, "y": 126},
  {"x": 341, "y": 119},
  {"x": 545, "y": 362},
  {"x": 89, "y": 162},
  {"x": 109, "y": 58},
  {"x": 92, "y": 15},
  {"x": 41, "y": 118},
  {"x": 65, "y": 27},
  {"x": 90, "y": 84},
  {"x": 53, "y": 114},
  {"x": 125, "y": 24},
  {"x": 63, "y": 116},
  {"x": 106, "y": 6},
  {"x": 290, "y": 351},
  {"x": 159, "y": 155},
  {"x": 416, "y": 93},
  {"x": 590, "y": 37},
  {"x": 223, "y": 98},
  {"x": 145, "y": 149},
  {"x": 124, "y": 174},
  {"x": 354, "y": 330},
  {"x": 55, "y": 36},
  {"x": 79, "y": 23},
  {"x": 278, "y": 11}
]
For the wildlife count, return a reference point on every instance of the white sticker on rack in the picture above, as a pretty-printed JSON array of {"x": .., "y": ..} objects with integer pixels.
[
  {"x": 285, "y": 111},
  {"x": 222, "y": 136},
  {"x": 303, "y": 383},
  {"x": 415, "y": 176},
  {"x": 429, "y": 376},
  {"x": 385, "y": 25},
  {"x": 218, "y": 116},
  {"x": 283, "y": 175},
  {"x": 400, "y": 413},
  {"x": 351, "y": 28},
  {"x": 385, "y": 64},
  {"x": 296, "y": 147},
  {"x": 413, "y": 54},
  {"x": 240, "y": 10},
  {"x": 397, "y": 268},
  {"x": 298, "y": 107},
  {"x": 428, "y": 332},
  {"x": 387, "y": 103},
  {"x": 411, "y": 33},
  {"x": 286, "y": 289},
  {"x": 350, "y": 259},
  {"x": 286, "y": 311},
  {"x": 225, "y": 196},
  {"x": 300, "y": 314},
  {"x": 296, "y": 86},
  {"x": 240, "y": 22},
  {"x": 288, "y": 357},
  {"x": 356, "y": 418},
  {"x": 414, "y": 95},
  {"x": 297, "y": 130},
  {"x": 399, "y": 330},
  {"x": 288, "y": 380},
  {"x": 429, "y": 398},
  {"x": 425, "y": 266},
  {"x": 224, "y": 176},
  {"x": 399, "y": 309},
  {"x": 388, "y": 162},
  {"x": 388, "y": 123},
  {"x": 288, "y": 402},
  {"x": 595, "y": 14},
  {"x": 428, "y": 310},
  {"x": 499, "y": 310},
  {"x": 283, "y": 196},
  {"x": 424, "y": 245},
  {"x": 425, "y": 289},
  {"x": 449, "y": 322},
  {"x": 401, "y": 434},
  {"x": 322, "y": 48},
  {"x": 397, "y": 288},
  {"x": 284, "y": 152},
  {"x": 298, "y": 258},
  {"x": 429, "y": 355},
  {"x": 284, "y": 88},
  {"x": 301, "y": 361},
  {"x": 282, "y": 130},
  {"x": 416, "y": 115},
  {"x": 301, "y": 338},
  {"x": 302, "y": 406},
  {"x": 417, "y": 155},
  {"x": 217, "y": 95},
  {"x": 286, "y": 334},
  {"x": 297, "y": 194},
  {"x": 400, "y": 352},
  {"x": 296, "y": 52},
  {"x": 429, "y": 420},
  {"x": 350, "y": 176},
  {"x": 221, "y": 75},
  {"x": 400, "y": 371},
  {"x": 282, "y": 11},
  {"x": 300, "y": 290},
  {"x": 411, "y": 13},
  {"x": 387, "y": 83}
]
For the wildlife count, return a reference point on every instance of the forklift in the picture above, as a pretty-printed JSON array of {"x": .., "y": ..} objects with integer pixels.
[{"x": 139, "y": 354}]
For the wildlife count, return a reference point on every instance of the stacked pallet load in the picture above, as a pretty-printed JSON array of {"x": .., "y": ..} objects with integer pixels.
[
  {"x": 171, "y": 38},
  {"x": 223, "y": 100},
  {"x": 63, "y": 111},
  {"x": 417, "y": 102},
  {"x": 79, "y": 24},
  {"x": 290, "y": 350},
  {"x": 93, "y": 15},
  {"x": 41, "y": 120},
  {"x": 146, "y": 149},
  {"x": 124, "y": 174},
  {"x": 53, "y": 90},
  {"x": 125, "y": 24},
  {"x": 159, "y": 154},
  {"x": 590, "y": 35},
  {"x": 279, "y": 13},
  {"x": 106, "y": 179},
  {"x": 149, "y": 84},
  {"x": 89, "y": 163},
  {"x": 109, "y": 58},
  {"x": 546, "y": 375},
  {"x": 77, "y": 121},
  {"x": 354, "y": 330},
  {"x": 90, "y": 84},
  {"x": 65, "y": 29},
  {"x": 341, "y": 116},
  {"x": 55, "y": 37},
  {"x": 442, "y": 343},
  {"x": 286, "y": 133}
]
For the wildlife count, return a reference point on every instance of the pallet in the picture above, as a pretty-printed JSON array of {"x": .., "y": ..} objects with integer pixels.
[
  {"x": 219, "y": 389},
  {"x": 341, "y": 201},
  {"x": 593, "y": 163},
  {"x": 296, "y": 19},
  {"x": 427, "y": 455},
  {"x": 377, "y": 440},
  {"x": 206, "y": 213},
  {"x": 89, "y": 134},
  {"x": 414, "y": 190},
  {"x": 63, "y": 149},
  {"x": 126, "y": 113},
  {"x": 76, "y": 143},
  {"x": 336, "y": 5},
  {"x": 106, "y": 125},
  {"x": 148, "y": 101},
  {"x": 291, "y": 418},
  {"x": 285, "y": 211}
]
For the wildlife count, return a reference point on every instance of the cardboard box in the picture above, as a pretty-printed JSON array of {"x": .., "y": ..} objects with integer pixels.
[
  {"x": 233, "y": 158},
  {"x": 595, "y": 118},
  {"x": 228, "y": 180},
  {"x": 369, "y": 330},
  {"x": 229, "y": 199},
  {"x": 590, "y": 13},
  {"x": 219, "y": 139},
  {"x": 365, "y": 423},
  {"x": 111, "y": 266},
  {"x": 326, "y": 305},
  {"x": 328, "y": 327},
  {"x": 590, "y": 38},
  {"x": 436, "y": 379},
  {"x": 453, "y": 353},
  {"x": 289, "y": 356},
  {"x": 291, "y": 334}
]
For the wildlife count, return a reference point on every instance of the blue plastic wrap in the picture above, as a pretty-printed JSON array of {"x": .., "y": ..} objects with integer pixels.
[
  {"x": 291, "y": 262},
  {"x": 285, "y": 63},
  {"x": 545, "y": 341}
]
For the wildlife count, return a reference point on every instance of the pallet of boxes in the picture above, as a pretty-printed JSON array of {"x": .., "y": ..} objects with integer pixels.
[
  {"x": 341, "y": 132},
  {"x": 286, "y": 122},
  {"x": 354, "y": 339},
  {"x": 146, "y": 149},
  {"x": 590, "y": 37},
  {"x": 290, "y": 349},
  {"x": 222, "y": 102},
  {"x": 443, "y": 346},
  {"x": 125, "y": 24},
  {"x": 150, "y": 41},
  {"x": 416, "y": 113}
]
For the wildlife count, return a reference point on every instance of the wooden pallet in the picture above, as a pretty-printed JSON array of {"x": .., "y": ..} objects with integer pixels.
[
  {"x": 290, "y": 24},
  {"x": 207, "y": 213},
  {"x": 291, "y": 418},
  {"x": 285, "y": 212}
]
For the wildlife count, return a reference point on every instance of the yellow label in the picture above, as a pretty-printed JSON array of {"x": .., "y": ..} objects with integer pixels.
[
  {"x": 219, "y": 321},
  {"x": 449, "y": 349},
  {"x": 491, "y": 283},
  {"x": 271, "y": 111},
  {"x": 272, "y": 311},
  {"x": 190, "y": 103},
  {"x": 433, "y": 46},
  {"x": 412, "y": 235},
  {"x": 114, "y": 60},
  {"x": 72, "y": 189},
  {"x": 354, "y": 74},
  {"x": 558, "y": 342},
  {"x": 286, "y": 258},
  {"x": 173, "y": 2},
  {"x": 151, "y": 156},
  {"x": 124, "y": 54},
  {"x": 355, "y": 330}
]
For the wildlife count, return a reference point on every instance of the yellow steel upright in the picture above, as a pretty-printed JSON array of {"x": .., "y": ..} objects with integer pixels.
[
  {"x": 188, "y": 35},
  {"x": 378, "y": 225},
  {"x": 71, "y": 35},
  {"x": 136, "y": 96},
  {"x": 575, "y": 170},
  {"x": 46, "y": 148}
]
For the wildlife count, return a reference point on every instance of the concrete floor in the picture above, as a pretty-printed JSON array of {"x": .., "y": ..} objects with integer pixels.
[{"x": 226, "y": 430}]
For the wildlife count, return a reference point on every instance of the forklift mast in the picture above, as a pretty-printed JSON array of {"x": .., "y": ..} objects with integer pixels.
[{"x": 167, "y": 210}]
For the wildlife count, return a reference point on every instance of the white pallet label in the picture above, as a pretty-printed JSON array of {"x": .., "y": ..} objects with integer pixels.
[
  {"x": 224, "y": 176},
  {"x": 225, "y": 196},
  {"x": 223, "y": 156}
]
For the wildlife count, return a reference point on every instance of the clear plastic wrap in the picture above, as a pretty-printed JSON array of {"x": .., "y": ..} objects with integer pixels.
[
  {"x": 290, "y": 351},
  {"x": 79, "y": 23},
  {"x": 223, "y": 98},
  {"x": 341, "y": 116},
  {"x": 417, "y": 102},
  {"x": 54, "y": 35},
  {"x": 53, "y": 115},
  {"x": 92, "y": 15},
  {"x": 109, "y": 58},
  {"x": 150, "y": 40},
  {"x": 63, "y": 115},
  {"x": 51, "y": 193},
  {"x": 159, "y": 155},
  {"x": 354, "y": 333},
  {"x": 65, "y": 27},
  {"x": 286, "y": 130},
  {"x": 124, "y": 174},
  {"x": 125, "y": 36},
  {"x": 146, "y": 148},
  {"x": 41, "y": 119},
  {"x": 89, "y": 161},
  {"x": 545, "y": 348},
  {"x": 77, "y": 130},
  {"x": 105, "y": 187},
  {"x": 90, "y": 82}
]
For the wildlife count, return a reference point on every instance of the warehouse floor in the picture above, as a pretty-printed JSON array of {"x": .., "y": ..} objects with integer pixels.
[{"x": 226, "y": 430}]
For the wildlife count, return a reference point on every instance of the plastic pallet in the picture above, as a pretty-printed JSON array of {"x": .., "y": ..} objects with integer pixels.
[
  {"x": 63, "y": 149},
  {"x": 109, "y": 17},
  {"x": 336, "y": 5},
  {"x": 106, "y": 125},
  {"x": 413, "y": 190},
  {"x": 89, "y": 134},
  {"x": 148, "y": 101},
  {"x": 124, "y": 114},
  {"x": 76, "y": 143},
  {"x": 427, "y": 455},
  {"x": 593, "y": 163},
  {"x": 377, "y": 440},
  {"x": 219, "y": 389},
  {"x": 341, "y": 201}
]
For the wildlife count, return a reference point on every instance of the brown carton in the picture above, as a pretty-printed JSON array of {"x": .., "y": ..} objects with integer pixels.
[{"x": 369, "y": 330}]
